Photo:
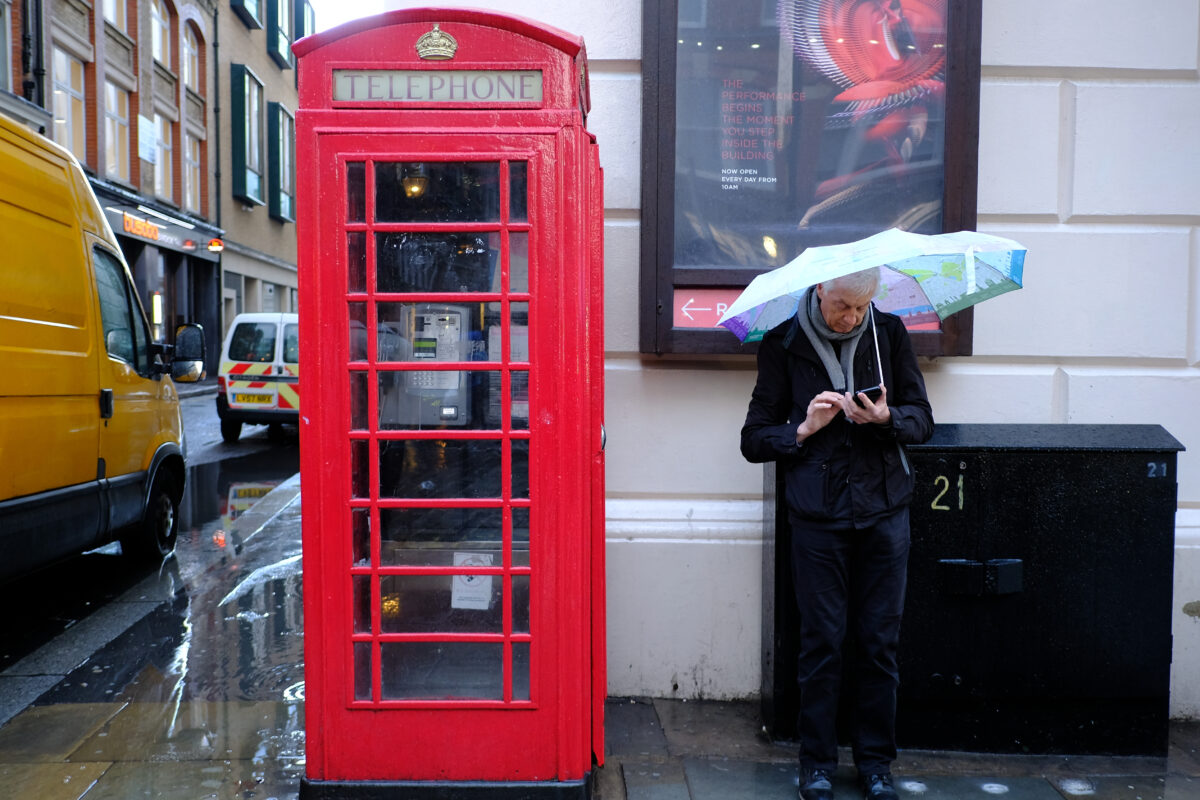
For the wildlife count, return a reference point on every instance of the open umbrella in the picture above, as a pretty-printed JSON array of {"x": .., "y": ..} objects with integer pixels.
[{"x": 925, "y": 278}]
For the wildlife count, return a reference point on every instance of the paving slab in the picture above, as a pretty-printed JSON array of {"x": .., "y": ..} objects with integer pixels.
[
  {"x": 608, "y": 782},
  {"x": 1133, "y": 787},
  {"x": 18, "y": 692},
  {"x": 632, "y": 729},
  {"x": 654, "y": 779},
  {"x": 198, "y": 731},
  {"x": 52, "y": 733},
  {"x": 50, "y": 781},
  {"x": 1183, "y": 752},
  {"x": 951, "y": 787},
  {"x": 196, "y": 780},
  {"x": 729, "y": 779},
  {"x": 723, "y": 730},
  {"x": 918, "y": 762}
]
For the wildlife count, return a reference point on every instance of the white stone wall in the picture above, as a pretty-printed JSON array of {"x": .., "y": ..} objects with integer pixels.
[{"x": 1089, "y": 154}]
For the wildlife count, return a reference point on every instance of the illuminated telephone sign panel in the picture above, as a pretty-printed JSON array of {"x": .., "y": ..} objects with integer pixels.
[{"x": 437, "y": 86}]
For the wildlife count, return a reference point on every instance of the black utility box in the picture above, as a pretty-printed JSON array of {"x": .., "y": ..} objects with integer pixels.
[{"x": 1038, "y": 614}]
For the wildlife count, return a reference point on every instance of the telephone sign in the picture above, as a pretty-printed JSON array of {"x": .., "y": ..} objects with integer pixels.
[
  {"x": 440, "y": 86},
  {"x": 450, "y": 240}
]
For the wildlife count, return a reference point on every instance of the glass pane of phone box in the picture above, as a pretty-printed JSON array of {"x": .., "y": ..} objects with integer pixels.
[
  {"x": 451, "y": 670},
  {"x": 465, "y": 603},
  {"x": 437, "y": 191},
  {"x": 437, "y": 262},
  {"x": 450, "y": 468},
  {"x": 430, "y": 537}
]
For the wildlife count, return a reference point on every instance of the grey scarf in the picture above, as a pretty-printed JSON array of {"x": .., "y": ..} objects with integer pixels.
[{"x": 822, "y": 338}]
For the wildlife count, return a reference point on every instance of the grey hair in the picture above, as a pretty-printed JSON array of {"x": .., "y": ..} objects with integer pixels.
[{"x": 860, "y": 283}]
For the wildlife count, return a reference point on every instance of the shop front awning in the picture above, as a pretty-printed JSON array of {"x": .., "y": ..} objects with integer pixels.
[{"x": 160, "y": 227}]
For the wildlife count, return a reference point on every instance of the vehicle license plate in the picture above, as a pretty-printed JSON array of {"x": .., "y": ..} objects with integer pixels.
[{"x": 253, "y": 398}]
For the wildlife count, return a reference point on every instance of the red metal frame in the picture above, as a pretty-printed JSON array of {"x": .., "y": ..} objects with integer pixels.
[
  {"x": 556, "y": 733},
  {"x": 505, "y": 434}
]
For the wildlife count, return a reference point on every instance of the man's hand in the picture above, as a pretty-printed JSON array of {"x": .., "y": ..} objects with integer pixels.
[
  {"x": 876, "y": 412},
  {"x": 821, "y": 411}
]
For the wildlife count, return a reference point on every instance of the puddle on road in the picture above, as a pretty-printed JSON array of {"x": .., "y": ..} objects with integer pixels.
[
  {"x": 230, "y": 624},
  {"x": 220, "y": 492}
]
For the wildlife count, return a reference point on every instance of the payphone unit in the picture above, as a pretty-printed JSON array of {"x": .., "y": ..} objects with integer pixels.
[{"x": 431, "y": 333}]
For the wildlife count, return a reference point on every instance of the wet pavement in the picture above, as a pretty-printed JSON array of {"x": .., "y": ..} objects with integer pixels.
[
  {"x": 187, "y": 682},
  {"x": 105, "y": 589},
  {"x": 680, "y": 750}
]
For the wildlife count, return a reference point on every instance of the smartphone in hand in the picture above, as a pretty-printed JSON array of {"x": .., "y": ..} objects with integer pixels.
[{"x": 873, "y": 394}]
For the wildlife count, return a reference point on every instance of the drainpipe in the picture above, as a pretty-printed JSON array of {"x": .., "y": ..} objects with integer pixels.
[
  {"x": 219, "y": 273},
  {"x": 33, "y": 63},
  {"x": 217, "y": 114},
  {"x": 39, "y": 55}
]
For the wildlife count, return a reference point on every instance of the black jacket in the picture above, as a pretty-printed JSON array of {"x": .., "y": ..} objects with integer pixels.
[{"x": 844, "y": 475}]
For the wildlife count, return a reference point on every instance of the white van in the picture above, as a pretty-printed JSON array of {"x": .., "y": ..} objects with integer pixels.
[{"x": 259, "y": 376}]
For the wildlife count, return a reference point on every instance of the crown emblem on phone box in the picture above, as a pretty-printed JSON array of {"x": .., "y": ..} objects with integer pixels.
[{"x": 437, "y": 45}]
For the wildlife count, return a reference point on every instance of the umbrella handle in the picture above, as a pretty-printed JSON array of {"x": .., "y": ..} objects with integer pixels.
[{"x": 875, "y": 335}]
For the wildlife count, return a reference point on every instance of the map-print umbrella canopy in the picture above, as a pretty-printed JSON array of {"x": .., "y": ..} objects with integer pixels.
[{"x": 925, "y": 278}]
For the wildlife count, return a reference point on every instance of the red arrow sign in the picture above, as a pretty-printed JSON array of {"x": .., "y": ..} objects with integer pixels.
[{"x": 701, "y": 308}]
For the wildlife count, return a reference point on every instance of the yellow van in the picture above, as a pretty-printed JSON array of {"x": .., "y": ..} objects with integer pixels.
[{"x": 91, "y": 438}]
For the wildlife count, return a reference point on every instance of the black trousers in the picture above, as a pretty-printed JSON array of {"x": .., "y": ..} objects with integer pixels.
[{"x": 850, "y": 582}]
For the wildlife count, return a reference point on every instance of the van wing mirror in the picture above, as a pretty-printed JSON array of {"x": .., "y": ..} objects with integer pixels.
[{"x": 187, "y": 362}]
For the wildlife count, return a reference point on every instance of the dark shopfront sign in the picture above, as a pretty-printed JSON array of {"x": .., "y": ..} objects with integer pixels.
[
  {"x": 771, "y": 127},
  {"x": 160, "y": 229}
]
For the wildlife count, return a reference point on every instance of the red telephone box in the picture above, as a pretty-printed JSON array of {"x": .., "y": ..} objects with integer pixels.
[{"x": 450, "y": 235}]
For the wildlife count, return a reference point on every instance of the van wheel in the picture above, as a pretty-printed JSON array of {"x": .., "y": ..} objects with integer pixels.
[
  {"x": 155, "y": 537},
  {"x": 230, "y": 430}
]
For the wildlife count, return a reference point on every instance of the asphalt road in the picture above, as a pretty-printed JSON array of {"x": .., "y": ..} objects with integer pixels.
[{"x": 202, "y": 429}]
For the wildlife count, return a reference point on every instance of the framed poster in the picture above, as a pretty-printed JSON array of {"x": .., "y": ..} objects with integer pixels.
[{"x": 771, "y": 126}]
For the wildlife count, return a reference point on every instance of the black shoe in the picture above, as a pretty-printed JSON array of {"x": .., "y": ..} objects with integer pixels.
[
  {"x": 878, "y": 787},
  {"x": 815, "y": 785}
]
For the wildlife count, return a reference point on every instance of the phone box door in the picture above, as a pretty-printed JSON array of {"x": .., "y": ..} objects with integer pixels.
[{"x": 449, "y": 461}]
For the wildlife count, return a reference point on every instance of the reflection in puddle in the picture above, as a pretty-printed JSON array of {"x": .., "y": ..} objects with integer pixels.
[
  {"x": 221, "y": 492},
  {"x": 245, "y": 608},
  {"x": 286, "y": 568},
  {"x": 231, "y": 624},
  {"x": 242, "y": 496},
  {"x": 204, "y": 691}
]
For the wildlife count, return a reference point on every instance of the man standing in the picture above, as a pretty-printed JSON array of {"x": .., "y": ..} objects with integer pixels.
[{"x": 848, "y": 485}]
